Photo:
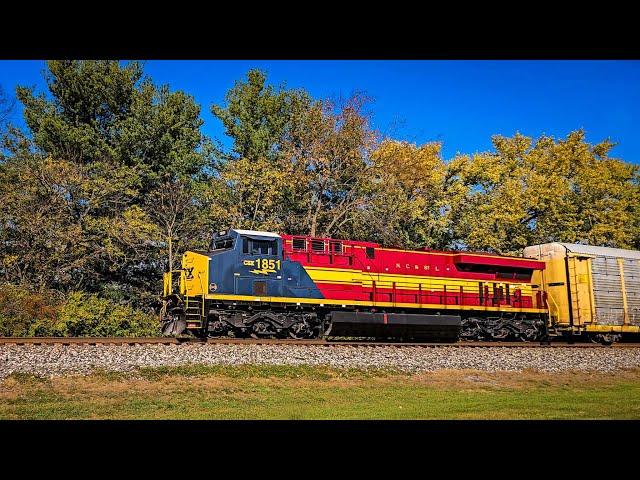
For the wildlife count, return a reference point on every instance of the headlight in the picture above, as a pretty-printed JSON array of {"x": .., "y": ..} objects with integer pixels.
[{"x": 213, "y": 287}]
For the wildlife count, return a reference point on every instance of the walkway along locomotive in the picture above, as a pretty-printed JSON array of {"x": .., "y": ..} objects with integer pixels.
[{"x": 261, "y": 284}]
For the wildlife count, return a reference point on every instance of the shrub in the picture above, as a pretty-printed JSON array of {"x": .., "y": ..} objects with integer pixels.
[
  {"x": 89, "y": 315},
  {"x": 27, "y": 313},
  {"x": 49, "y": 313}
]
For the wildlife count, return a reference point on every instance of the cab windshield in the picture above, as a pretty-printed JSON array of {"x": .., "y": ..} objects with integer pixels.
[{"x": 222, "y": 244}]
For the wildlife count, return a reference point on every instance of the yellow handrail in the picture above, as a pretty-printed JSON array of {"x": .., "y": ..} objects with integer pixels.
[
  {"x": 555, "y": 305},
  {"x": 203, "y": 292},
  {"x": 168, "y": 281}
]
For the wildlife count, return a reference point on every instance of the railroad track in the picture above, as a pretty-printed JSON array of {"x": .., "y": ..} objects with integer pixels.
[{"x": 252, "y": 341}]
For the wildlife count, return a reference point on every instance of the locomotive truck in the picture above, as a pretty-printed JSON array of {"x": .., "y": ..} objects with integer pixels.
[{"x": 265, "y": 285}]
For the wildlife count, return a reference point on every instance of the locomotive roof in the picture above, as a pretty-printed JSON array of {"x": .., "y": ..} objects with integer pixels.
[
  {"x": 572, "y": 247},
  {"x": 257, "y": 233},
  {"x": 401, "y": 249}
]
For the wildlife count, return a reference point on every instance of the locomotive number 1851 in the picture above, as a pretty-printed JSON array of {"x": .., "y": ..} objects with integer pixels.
[{"x": 263, "y": 266}]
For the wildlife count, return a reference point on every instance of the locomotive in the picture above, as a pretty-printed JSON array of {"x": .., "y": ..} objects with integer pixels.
[{"x": 265, "y": 285}]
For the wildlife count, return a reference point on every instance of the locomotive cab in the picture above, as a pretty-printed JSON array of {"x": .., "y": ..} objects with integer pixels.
[
  {"x": 238, "y": 262},
  {"x": 258, "y": 269}
]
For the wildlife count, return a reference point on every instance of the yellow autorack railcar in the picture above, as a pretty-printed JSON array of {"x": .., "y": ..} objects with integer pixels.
[{"x": 594, "y": 290}]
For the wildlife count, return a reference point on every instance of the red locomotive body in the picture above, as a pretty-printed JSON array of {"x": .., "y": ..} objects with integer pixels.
[{"x": 367, "y": 274}]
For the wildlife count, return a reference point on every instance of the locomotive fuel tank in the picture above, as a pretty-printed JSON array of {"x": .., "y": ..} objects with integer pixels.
[{"x": 445, "y": 328}]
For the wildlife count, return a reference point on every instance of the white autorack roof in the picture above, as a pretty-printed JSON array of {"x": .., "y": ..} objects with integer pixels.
[{"x": 588, "y": 250}]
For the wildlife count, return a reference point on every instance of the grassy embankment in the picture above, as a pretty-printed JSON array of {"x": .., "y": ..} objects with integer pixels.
[{"x": 253, "y": 392}]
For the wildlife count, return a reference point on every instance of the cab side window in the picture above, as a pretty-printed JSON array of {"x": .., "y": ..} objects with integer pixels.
[{"x": 259, "y": 247}]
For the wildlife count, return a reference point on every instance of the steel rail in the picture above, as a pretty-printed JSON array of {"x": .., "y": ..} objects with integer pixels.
[{"x": 318, "y": 342}]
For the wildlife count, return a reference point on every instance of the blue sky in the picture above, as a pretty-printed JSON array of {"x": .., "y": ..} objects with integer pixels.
[{"x": 460, "y": 103}]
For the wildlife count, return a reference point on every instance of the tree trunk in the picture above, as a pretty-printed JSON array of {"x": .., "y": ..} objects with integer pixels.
[
  {"x": 255, "y": 212},
  {"x": 314, "y": 221},
  {"x": 170, "y": 253}
]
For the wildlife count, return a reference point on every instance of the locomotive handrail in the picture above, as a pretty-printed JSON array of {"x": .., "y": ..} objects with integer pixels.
[
  {"x": 168, "y": 281},
  {"x": 554, "y": 304},
  {"x": 203, "y": 292}
]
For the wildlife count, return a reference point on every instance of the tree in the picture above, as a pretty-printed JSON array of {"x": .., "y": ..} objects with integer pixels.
[
  {"x": 257, "y": 186},
  {"x": 173, "y": 208},
  {"x": 257, "y": 116},
  {"x": 105, "y": 143},
  {"x": 105, "y": 111},
  {"x": 530, "y": 192},
  {"x": 409, "y": 204},
  {"x": 6, "y": 109},
  {"x": 257, "y": 192},
  {"x": 59, "y": 230},
  {"x": 330, "y": 148},
  {"x": 161, "y": 137},
  {"x": 90, "y": 102}
]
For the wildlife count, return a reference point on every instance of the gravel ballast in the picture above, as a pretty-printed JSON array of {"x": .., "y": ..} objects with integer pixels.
[{"x": 56, "y": 360}]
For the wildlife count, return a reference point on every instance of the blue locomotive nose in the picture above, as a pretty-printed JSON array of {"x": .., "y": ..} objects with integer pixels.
[{"x": 221, "y": 269}]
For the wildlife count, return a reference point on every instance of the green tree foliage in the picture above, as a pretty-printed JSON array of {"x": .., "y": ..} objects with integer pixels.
[
  {"x": 409, "y": 206},
  {"x": 298, "y": 165},
  {"x": 258, "y": 191},
  {"x": 258, "y": 116},
  {"x": 530, "y": 192},
  {"x": 258, "y": 186},
  {"x": 103, "y": 111},
  {"x": 105, "y": 145},
  {"x": 89, "y": 101},
  {"x": 73, "y": 226},
  {"x": 161, "y": 138},
  {"x": 330, "y": 148},
  {"x": 6, "y": 109}
]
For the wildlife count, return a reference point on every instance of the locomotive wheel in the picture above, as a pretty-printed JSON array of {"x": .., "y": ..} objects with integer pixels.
[
  {"x": 218, "y": 328},
  {"x": 529, "y": 335},
  {"x": 501, "y": 334},
  {"x": 262, "y": 329},
  {"x": 300, "y": 330}
]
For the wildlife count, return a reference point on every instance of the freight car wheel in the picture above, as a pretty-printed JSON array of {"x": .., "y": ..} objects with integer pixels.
[{"x": 605, "y": 338}]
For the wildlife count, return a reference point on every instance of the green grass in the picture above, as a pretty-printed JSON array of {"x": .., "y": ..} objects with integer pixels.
[{"x": 279, "y": 392}]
